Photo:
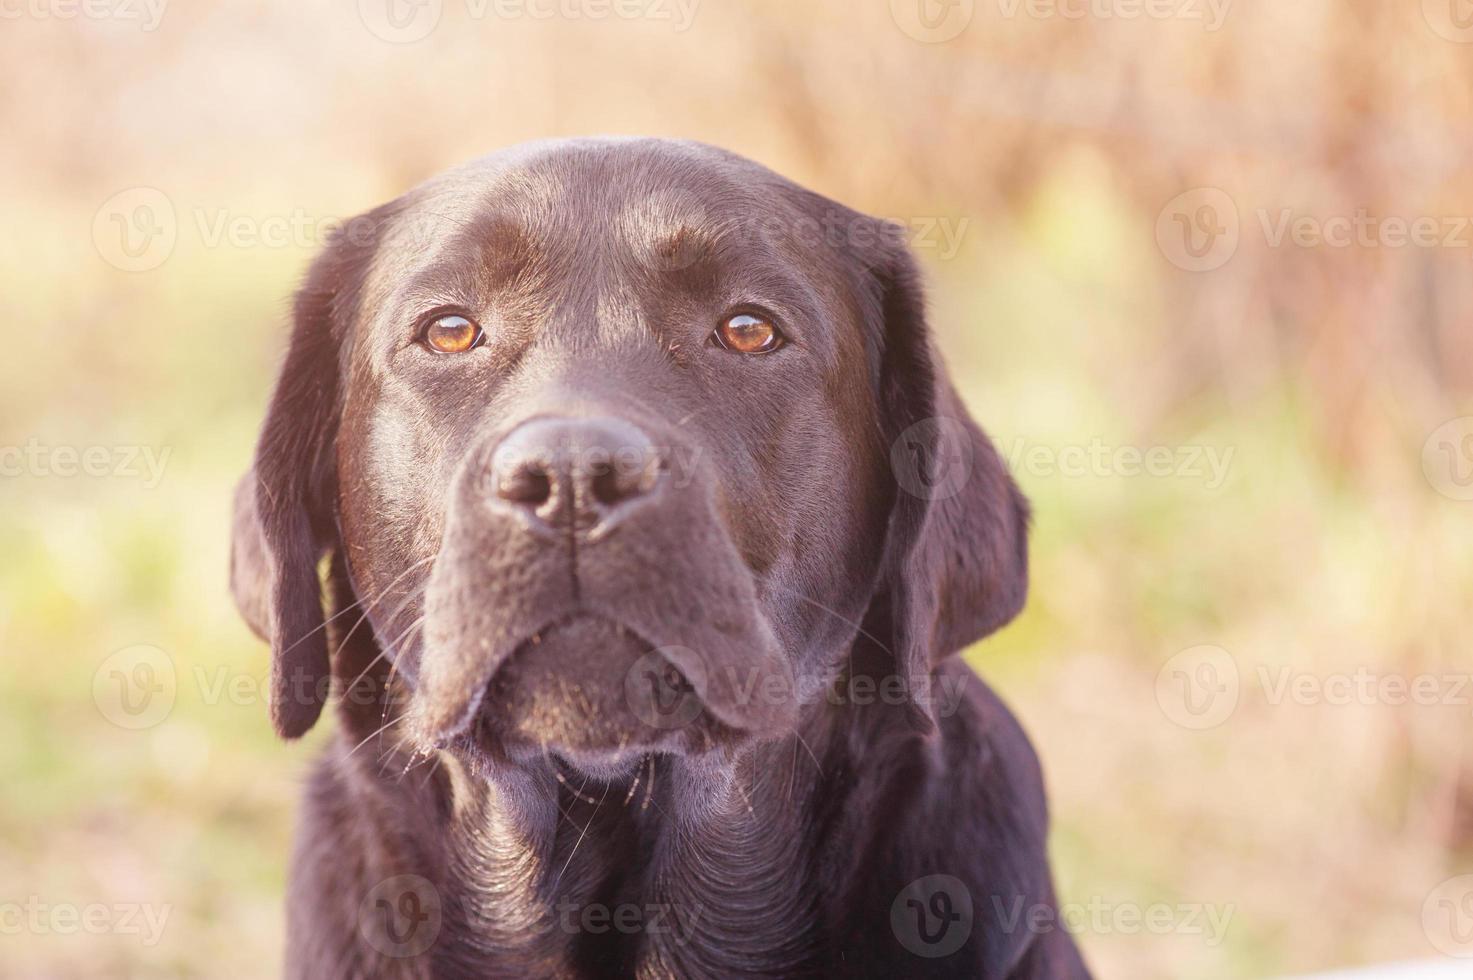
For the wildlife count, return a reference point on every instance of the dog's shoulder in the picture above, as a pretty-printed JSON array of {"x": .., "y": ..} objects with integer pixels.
[{"x": 355, "y": 856}]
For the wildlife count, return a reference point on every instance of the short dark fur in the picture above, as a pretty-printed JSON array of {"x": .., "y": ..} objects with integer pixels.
[{"x": 483, "y": 743}]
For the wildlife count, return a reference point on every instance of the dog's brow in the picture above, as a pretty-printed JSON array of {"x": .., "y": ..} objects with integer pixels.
[
  {"x": 482, "y": 255},
  {"x": 701, "y": 241}
]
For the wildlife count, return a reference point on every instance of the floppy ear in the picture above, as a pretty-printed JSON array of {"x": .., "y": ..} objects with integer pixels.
[
  {"x": 248, "y": 569},
  {"x": 285, "y": 516},
  {"x": 956, "y": 556}
]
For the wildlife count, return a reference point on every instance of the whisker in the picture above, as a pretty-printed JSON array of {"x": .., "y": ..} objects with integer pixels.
[
  {"x": 649, "y": 790},
  {"x": 804, "y": 743},
  {"x": 632, "y": 787},
  {"x": 397, "y": 578},
  {"x": 380, "y": 731},
  {"x": 358, "y": 605},
  {"x": 584, "y": 833},
  {"x": 837, "y": 615},
  {"x": 390, "y": 648}
]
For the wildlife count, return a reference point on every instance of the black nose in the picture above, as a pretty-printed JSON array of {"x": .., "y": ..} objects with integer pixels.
[{"x": 576, "y": 473}]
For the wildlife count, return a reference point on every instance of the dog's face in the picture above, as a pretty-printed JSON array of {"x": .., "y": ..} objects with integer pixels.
[{"x": 618, "y": 444}]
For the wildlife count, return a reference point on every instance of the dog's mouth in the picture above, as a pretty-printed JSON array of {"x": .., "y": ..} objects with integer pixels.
[
  {"x": 590, "y": 685},
  {"x": 654, "y": 645},
  {"x": 600, "y": 696}
]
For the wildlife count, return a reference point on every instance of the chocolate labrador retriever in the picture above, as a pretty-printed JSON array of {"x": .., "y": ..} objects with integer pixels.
[{"x": 614, "y": 492}]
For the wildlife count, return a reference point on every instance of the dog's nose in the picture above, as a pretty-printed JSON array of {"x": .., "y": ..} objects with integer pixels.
[{"x": 575, "y": 473}]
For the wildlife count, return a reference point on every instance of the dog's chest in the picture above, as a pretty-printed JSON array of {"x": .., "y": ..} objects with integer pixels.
[{"x": 634, "y": 895}]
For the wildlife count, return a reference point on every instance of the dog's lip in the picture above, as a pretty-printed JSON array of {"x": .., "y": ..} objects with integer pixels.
[
  {"x": 442, "y": 736},
  {"x": 727, "y": 702}
]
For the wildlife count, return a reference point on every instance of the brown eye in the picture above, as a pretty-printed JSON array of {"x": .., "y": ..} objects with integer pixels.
[
  {"x": 748, "y": 334},
  {"x": 451, "y": 334}
]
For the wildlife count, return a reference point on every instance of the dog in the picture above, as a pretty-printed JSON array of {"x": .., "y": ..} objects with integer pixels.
[{"x": 614, "y": 492}]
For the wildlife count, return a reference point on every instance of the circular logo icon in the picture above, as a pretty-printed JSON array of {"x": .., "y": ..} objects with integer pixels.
[
  {"x": 932, "y": 21},
  {"x": 1447, "y": 459},
  {"x": 1199, "y": 230},
  {"x": 932, "y": 916},
  {"x": 1447, "y": 917},
  {"x": 401, "y": 916},
  {"x": 400, "y": 21},
  {"x": 663, "y": 695},
  {"x": 1451, "y": 20},
  {"x": 1199, "y": 687},
  {"x": 135, "y": 687},
  {"x": 135, "y": 230},
  {"x": 933, "y": 458}
]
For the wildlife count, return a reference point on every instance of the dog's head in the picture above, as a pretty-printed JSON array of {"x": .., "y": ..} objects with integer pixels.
[{"x": 618, "y": 446}]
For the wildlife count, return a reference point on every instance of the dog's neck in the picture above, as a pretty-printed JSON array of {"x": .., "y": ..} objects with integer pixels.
[
  {"x": 542, "y": 862},
  {"x": 684, "y": 867}
]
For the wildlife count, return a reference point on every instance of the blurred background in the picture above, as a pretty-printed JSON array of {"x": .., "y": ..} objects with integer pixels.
[{"x": 1201, "y": 267}]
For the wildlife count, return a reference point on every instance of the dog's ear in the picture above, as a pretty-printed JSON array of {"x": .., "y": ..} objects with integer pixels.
[
  {"x": 285, "y": 517},
  {"x": 249, "y": 573},
  {"x": 956, "y": 553}
]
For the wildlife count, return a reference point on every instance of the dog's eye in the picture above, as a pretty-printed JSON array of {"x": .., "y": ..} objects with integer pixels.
[
  {"x": 452, "y": 334},
  {"x": 748, "y": 334}
]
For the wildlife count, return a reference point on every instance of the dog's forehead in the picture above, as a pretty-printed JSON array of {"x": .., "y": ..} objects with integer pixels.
[{"x": 633, "y": 195}]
